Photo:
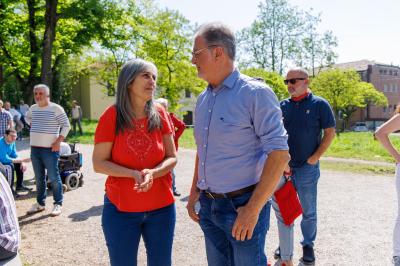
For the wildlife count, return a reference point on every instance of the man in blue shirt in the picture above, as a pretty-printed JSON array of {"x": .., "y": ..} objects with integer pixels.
[
  {"x": 241, "y": 153},
  {"x": 9, "y": 158},
  {"x": 306, "y": 117}
]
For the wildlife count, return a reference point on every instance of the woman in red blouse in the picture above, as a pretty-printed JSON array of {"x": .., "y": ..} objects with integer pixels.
[{"x": 135, "y": 148}]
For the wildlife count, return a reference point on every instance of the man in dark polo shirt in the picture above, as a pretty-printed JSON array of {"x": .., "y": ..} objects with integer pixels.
[{"x": 310, "y": 124}]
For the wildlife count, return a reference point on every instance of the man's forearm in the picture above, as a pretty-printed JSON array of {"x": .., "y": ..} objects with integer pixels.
[
  {"x": 272, "y": 171},
  {"x": 329, "y": 135}
]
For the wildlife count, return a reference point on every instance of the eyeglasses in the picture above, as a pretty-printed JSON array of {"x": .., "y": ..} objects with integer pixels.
[
  {"x": 292, "y": 81},
  {"x": 196, "y": 53}
]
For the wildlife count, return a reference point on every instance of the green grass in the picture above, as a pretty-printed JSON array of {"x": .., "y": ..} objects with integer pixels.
[
  {"x": 88, "y": 128},
  {"x": 360, "y": 145},
  {"x": 357, "y": 168},
  {"x": 187, "y": 139}
]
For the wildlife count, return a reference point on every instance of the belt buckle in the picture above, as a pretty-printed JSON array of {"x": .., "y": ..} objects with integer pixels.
[{"x": 208, "y": 193}]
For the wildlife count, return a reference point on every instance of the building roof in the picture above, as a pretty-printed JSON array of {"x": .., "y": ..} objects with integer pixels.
[
  {"x": 357, "y": 65},
  {"x": 361, "y": 65}
]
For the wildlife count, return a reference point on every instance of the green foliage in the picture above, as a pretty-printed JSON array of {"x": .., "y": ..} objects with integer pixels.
[
  {"x": 345, "y": 91},
  {"x": 283, "y": 33},
  {"x": 274, "y": 80},
  {"x": 361, "y": 145}
]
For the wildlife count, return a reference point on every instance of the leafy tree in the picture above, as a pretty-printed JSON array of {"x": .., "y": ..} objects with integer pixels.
[
  {"x": 282, "y": 34},
  {"x": 273, "y": 80},
  {"x": 37, "y": 36},
  {"x": 345, "y": 91}
]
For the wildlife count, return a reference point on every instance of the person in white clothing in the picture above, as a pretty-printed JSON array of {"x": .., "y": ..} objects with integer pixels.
[
  {"x": 382, "y": 134},
  {"x": 76, "y": 117},
  {"x": 49, "y": 127}
]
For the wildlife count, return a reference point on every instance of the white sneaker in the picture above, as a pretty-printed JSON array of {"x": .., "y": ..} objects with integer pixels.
[
  {"x": 56, "y": 210},
  {"x": 35, "y": 208}
]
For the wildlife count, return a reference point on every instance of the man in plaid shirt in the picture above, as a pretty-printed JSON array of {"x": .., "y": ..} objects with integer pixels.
[
  {"x": 5, "y": 119},
  {"x": 9, "y": 229}
]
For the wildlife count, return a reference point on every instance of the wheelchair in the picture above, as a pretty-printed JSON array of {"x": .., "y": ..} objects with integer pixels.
[{"x": 69, "y": 166}]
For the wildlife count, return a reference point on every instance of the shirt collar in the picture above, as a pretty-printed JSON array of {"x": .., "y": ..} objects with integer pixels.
[
  {"x": 309, "y": 94},
  {"x": 229, "y": 81}
]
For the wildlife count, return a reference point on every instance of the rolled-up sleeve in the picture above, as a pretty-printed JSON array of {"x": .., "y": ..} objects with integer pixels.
[{"x": 267, "y": 120}]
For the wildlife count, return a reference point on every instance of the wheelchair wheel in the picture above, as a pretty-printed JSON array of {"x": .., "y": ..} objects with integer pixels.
[{"x": 72, "y": 181}]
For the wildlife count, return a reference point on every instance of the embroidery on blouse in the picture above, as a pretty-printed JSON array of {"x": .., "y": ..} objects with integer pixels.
[{"x": 139, "y": 141}]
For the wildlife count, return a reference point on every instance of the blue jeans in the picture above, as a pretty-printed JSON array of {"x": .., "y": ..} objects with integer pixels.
[
  {"x": 122, "y": 231},
  {"x": 45, "y": 159},
  {"x": 216, "y": 220},
  {"x": 305, "y": 180},
  {"x": 173, "y": 180},
  {"x": 286, "y": 233}
]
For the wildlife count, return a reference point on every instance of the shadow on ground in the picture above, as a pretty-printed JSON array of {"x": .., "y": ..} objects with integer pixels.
[
  {"x": 84, "y": 215},
  {"x": 24, "y": 220}
]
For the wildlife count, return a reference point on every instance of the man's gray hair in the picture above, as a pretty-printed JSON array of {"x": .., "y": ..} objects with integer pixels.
[
  {"x": 43, "y": 87},
  {"x": 217, "y": 33},
  {"x": 300, "y": 70},
  {"x": 125, "y": 115},
  {"x": 163, "y": 102}
]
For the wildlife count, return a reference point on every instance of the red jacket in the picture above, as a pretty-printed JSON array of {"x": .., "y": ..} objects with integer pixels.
[{"x": 178, "y": 126}]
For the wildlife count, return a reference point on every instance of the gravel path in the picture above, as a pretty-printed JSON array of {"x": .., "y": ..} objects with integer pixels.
[{"x": 356, "y": 217}]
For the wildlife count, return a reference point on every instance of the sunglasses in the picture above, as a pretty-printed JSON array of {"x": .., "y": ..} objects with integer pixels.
[{"x": 292, "y": 81}]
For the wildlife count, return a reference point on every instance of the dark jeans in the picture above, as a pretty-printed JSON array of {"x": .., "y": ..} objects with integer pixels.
[
  {"x": 216, "y": 220},
  {"x": 74, "y": 122},
  {"x": 5, "y": 254},
  {"x": 122, "y": 231},
  {"x": 20, "y": 175}
]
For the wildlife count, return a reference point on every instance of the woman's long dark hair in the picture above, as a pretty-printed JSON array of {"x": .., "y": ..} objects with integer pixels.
[{"x": 125, "y": 115}]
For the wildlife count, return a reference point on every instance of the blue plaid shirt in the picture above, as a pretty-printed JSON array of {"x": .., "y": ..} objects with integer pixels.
[
  {"x": 5, "y": 118},
  {"x": 236, "y": 126}
]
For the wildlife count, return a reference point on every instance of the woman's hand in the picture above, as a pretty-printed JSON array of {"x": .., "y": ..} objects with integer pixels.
[{"x": 145, "y": 182}]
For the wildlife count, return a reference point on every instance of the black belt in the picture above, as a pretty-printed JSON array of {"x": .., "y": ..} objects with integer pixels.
[{"x": 232, "y": 194}]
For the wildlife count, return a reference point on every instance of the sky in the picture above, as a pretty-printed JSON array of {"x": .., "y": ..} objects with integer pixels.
[{"x": 366, "y": 29}]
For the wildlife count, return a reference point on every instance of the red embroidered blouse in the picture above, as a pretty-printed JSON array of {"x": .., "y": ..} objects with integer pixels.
[{"x": 136, "y": 149}]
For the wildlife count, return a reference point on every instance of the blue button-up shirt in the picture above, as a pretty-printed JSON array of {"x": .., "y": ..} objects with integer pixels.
[{"x": 236, "y": 126}]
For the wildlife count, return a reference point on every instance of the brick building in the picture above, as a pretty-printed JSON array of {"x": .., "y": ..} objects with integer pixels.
[{"x": 386, "y": 79}]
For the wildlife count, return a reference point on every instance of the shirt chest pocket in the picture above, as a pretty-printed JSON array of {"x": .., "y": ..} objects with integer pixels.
[{"x": 228, "y": 129}]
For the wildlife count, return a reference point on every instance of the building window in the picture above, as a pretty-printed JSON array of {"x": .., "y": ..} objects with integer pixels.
[
  {"x": 188, "y": 93},
  {"x": 385, "y": 89},
  {"x": 380, "y": 71},
  {"x": 384, "y": 71},
  {"x": 384, "y": 109},
  {"x": 390, "y": 72},
  {"x": 395, "y": 73}
]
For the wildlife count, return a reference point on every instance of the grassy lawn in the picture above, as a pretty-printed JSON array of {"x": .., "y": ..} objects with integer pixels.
[
  {"x": 88, "y": 128},
  {"x": 360, "y": 145}
]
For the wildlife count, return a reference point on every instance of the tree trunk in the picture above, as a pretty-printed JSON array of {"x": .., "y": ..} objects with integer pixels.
[
  {"x": 34, "y": 56},
  {"x": 49, "y": 36}
]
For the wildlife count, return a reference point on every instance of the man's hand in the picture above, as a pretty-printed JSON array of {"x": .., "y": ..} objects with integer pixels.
[
  {"x": 23, "y": 167},
  {"x": 55, "y": 146},
  {"x": 312, "y": 160},
  {"x": 193, "y": 199},
  {"x": 244, "y": 224}
]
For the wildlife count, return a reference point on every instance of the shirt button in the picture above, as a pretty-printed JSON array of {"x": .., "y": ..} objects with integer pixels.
[
  {"x": 202, "y": 163},
  {"x": 204, "y": 145},
  {"x": 206, "y": 128},
  {"x": 209, "y": 110}
]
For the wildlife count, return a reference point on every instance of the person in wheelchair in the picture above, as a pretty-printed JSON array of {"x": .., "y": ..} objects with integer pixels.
[{"x": 11, "y": 162}]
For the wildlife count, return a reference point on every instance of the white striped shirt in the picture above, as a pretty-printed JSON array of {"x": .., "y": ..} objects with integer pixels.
[
  {"x": 47, "y": 123},
  {"x": 9, "y": 229}
]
